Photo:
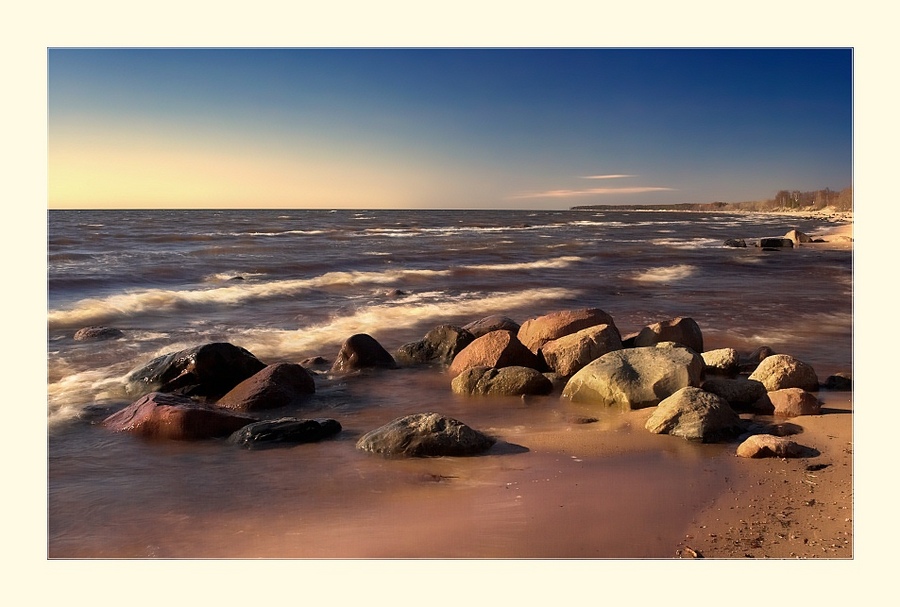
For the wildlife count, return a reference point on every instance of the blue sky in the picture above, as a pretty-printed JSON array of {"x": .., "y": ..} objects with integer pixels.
[{"x": 444, "y": 128}]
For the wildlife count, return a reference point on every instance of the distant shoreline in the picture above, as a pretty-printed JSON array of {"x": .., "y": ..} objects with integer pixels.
[{"x": 827, "y": 213}]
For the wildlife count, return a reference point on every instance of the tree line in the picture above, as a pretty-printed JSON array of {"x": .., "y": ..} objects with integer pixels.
[{"x": 784, "y": 200}]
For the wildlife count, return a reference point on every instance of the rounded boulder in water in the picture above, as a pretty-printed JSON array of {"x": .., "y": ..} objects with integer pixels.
[{"x": 425, "y": 435}]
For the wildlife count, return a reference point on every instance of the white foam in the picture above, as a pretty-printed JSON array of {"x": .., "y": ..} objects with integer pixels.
[
  {"x": 666, "y": 274},
  {"x": 123, "y": 305}
]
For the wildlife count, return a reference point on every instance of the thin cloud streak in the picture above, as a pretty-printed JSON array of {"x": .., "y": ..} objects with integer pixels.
[
  {"x": 607, "y": 176},
  {"x": 591, "y": 192}
]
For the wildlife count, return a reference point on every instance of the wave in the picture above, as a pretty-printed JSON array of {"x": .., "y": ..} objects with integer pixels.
[
  {"x": 388, "y": 321},
  {"x": 124, "y": 305},
  {"x": 681, "y": 243},
  {"x": 667, "y": 274}
]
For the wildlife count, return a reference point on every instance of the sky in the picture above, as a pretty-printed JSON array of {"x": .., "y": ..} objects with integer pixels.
[{"x": 535, "y": 128}]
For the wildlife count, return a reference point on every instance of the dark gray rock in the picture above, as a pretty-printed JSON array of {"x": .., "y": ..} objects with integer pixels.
[
  {"x": 839, "y": 382},
  {"x": 736, "y": 242},
  {"x": 284, "y": 431},
  {"x": 496, "y": 322},
  {"x": 439, "y": 346},
  {"x": 776, "y": 243},
  {"x": 208, "y": 371},
  {"x": 695, "y": 415},
  {"x": 362, "y": 351},
  {"x": 425, "y": 435}
]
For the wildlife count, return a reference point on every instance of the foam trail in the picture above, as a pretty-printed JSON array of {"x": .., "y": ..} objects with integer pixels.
[
  {"x": 668, "y": 274},
  {"x": 95, "y": 311}
]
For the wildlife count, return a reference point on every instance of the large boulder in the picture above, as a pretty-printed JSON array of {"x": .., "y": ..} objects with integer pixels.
[
  {"x": 362, "y": 351},
  {"x": 495, "y": 349},
  {"x": 681, "y": 330},
  {"x": 637, "y": 377},
  {"x": 209, "y": 370},
  {"x": 274, "y": 386},
  {"x": 535, "y": 332},
  {"x": 784, "y": 371},
  {"x": 97, "y": 333},
  {"x": 766, "y": 445},
  {"x": 722, "y": 361},
  {"x": 506, "y": 381},
  {"x": 169, "y": 416},
  {"x": 741, "y": 393},
  {"x": 284, "y": 431},
  {"x": 425, "y": 435},
  {"x": 695, "y": 415},
  {"x": 568, "y": 354},
  {"x": 496, "y": 322},
  {"x": 791, "y": 402},
  {"x": 440, "y": 346}
]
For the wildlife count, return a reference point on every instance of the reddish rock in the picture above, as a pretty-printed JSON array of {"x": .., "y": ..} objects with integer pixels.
[
  {"x": 683, "y": 331},
  {"x": 168, "y": 416},
  {"x": 535, "y": 332},
  {"x": 570, "y": 353},
  {"x": 495, "y": 349},
  {"x": 792, "y": 402},
  {"x": 275, "y": 386}
]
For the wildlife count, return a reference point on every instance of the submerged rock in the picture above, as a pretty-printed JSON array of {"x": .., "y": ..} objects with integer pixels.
[
  {"x": 96, "y": 333},
  {"x": 425, "y": 435},
  {"x": 440, "y": 346},
  {"x": 284, "y": 431}
]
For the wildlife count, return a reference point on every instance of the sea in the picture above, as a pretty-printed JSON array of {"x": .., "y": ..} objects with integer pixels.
[{"x": 289, "y": 285}]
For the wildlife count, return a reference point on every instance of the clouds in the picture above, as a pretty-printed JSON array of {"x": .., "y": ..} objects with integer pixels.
[{"x": 571, "y": 193}]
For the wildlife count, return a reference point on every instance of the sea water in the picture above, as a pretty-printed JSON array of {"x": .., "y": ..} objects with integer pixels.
[{"x": 288, "y": 285}]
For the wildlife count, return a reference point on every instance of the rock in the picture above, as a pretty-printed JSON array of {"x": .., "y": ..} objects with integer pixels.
[
  {"x": 791, "y": 402},
  {"x": 314, "y": 361},
  {"x": 506, "y": 381},
  {"x": 723, "y": 361},
  {"x": 425, "y": 435},
  {"x": 209, "y": 370},
  {"x": 797, "y": 237},
  {"x": 495, "y": 349},
  {"x": 286, "y": 430},
  {"x": 274, "y": 386},
  {"x": 741, "y": 393},
  {"x": 695, "y": 415},
  {"x": 362, "y": 351},
  {"x": 440, "y": 345},
  {"x": 839, "y": 382},
  {"x": 635, "y": 378},
  {"x": 681, "y": 330},
  {"x": 750, "y": 362},
  {"x": 569, "y": 353},
  {"x": 776, "y": 243},
  {"x": 736, "y": 242},
  {"x": 784, "y": 371},
  {"x": 169, "y": 416},
  {"x": 96, "y": 333},
  {"x": 535, "y": 332},
  {"x": 496, "y": 322},
  {"x": 766, "y": 445}
]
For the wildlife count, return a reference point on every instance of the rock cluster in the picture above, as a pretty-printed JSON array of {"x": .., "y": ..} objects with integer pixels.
[{"x": 211, "y": 390}]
